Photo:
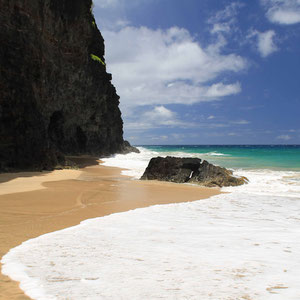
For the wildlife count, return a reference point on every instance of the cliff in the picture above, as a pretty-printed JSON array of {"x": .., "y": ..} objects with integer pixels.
[{"x": 56, "y": 97}]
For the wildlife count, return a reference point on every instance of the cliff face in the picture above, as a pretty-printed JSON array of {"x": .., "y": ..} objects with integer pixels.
[{"x": 56, "y": 97}]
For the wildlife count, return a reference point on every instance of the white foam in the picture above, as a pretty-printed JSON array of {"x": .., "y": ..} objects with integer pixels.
[
  {"x": 134, "y": 163},
  {"x": 232, "y": 246},
  {"x": 215, "y": 154},
  {"x": 269, "y": 183}
]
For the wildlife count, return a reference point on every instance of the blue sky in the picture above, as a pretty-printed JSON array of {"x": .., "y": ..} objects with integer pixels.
[{"x": 205, "y": 71}]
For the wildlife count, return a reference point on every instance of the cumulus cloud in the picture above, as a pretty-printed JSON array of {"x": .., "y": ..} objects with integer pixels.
[
  {"x": 162, "y": 116},
  {"x": 154, "y": 68},
  {"x": 168, "y": 66},
  {"x": 284, "y": 12},
  {"x": 159, "y": 116},
  {"x": 149, "y": 118},
  {"x": 160, "y": 112}
]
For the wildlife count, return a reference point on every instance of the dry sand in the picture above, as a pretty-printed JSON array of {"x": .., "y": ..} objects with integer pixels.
[{"x": 32, "y": 204}]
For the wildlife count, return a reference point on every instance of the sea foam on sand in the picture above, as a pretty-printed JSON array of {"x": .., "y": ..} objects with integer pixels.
[{"x": 240, "y": 245}]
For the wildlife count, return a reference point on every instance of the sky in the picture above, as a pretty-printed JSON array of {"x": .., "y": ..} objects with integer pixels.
[{"x": 204, "y": 71}]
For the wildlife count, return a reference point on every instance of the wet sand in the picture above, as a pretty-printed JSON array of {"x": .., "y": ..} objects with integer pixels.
[{"x": 32, "y": 204}]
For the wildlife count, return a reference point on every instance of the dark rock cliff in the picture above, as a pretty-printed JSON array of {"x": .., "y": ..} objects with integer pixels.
[{"x": 56, "y": 97}]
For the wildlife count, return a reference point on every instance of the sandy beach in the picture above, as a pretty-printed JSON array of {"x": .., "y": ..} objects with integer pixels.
[{"x": 32, "y": 204}]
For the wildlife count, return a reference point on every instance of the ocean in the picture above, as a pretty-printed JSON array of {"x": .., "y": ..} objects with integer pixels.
[{"x": 242, "y": 244}]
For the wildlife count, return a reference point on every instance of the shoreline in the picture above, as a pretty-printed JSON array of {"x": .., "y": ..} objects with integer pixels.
[{"x": 33, "y": 204}]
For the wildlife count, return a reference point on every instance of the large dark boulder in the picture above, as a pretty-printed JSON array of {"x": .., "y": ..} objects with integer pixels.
[
  {"x": 192, "y": 170},
  {"x": 173, "y": 169}
]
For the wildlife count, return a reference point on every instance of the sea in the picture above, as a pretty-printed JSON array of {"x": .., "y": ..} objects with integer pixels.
[{"x": 243, "y": 244}]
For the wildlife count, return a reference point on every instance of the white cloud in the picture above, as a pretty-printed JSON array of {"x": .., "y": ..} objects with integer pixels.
[
  {"x": 224, "y": 20},
  {"x": 265, "y": 43},
  {"x": 218, "y": 90},
  {"x": 157, "y": 117},
  {"x": 284, "y": 137},
  {"x": 221, "y": 28},
  {"x": 284, "y": 12},
  {"x": 152, "y": 67},
  {"x": 228, "y": 13},
  {"x": 160, "y": 112},
  {"x": 240, "y": 122},
  {"x": 286, "y": 17},
  {"x": 160, "y": 116}
]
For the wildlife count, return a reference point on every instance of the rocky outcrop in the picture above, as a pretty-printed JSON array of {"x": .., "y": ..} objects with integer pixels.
[
  {"x": 56, "y": 97},
  {"x": 127, "y": 148},
  {"x": 191, "y": 170}
]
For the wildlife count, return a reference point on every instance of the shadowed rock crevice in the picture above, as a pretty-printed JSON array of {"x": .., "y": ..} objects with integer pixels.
[
  {"x": 81, "y": 139},
  {"x": 56, "y": 128}
]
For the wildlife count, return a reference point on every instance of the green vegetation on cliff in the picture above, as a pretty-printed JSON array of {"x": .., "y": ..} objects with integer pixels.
[{"x": 97, "y": 58}]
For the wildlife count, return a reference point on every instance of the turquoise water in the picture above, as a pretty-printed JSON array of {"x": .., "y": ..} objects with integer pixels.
[{"x": 277, "y": 157}]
